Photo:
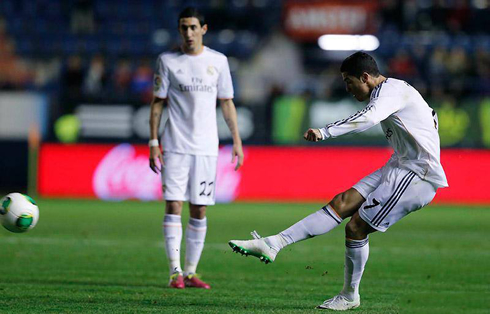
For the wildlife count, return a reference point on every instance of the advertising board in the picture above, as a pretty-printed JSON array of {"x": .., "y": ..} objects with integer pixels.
[{"x": 269, "y": 174}]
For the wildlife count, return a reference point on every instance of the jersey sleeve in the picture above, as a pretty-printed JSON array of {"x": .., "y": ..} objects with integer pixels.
[
  {"x": 161, "y": 81},
  {"x": 225, "y": 84},
  {"x": 376, "y": 111}
]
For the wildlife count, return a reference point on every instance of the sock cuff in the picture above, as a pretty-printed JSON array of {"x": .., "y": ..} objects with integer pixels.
[
  {"x": 198, "y": 223},
  {"x": 355, "y": 244},
  {"x": 172, "y": 219},
  {"x": 332, "y": 213}
]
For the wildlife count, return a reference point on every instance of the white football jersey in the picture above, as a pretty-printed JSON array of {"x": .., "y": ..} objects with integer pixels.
[
  {"x": 409, "y": 124},
  {"x": 191, "y": 84}
]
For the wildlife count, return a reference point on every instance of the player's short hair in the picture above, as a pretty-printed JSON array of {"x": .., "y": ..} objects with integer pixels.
[
  {"x": 192, "y": 12},
  {"x": 359, "y": 63}
]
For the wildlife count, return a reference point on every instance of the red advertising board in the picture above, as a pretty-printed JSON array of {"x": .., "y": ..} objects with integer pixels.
[
  {"x": 284, "y": 174},
  {"x": 308, "y": 20}
]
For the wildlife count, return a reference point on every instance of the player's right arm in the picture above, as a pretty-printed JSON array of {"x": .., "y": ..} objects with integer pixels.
[
  {"x": 156, "y": 110},
  {"x": 376, "y": 111},
  {"x": 161, "y": 84},
  {"x": 358, "y": 122}
]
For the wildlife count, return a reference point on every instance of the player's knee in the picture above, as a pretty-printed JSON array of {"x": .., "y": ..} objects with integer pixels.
[
  {"x": 355, "y": 229},
  {"x": 341, "y": 205},
  {"x": 338, "y": 204},
  {"x": 198, "y": 211},
  {"x": 347, "y": 203},
  {"x": 174, "y": 207}
]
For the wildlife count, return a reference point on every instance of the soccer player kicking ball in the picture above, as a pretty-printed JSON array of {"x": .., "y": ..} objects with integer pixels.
[
  {"x": 406, "y": 183},
  {"x": 190, "y": 80}
]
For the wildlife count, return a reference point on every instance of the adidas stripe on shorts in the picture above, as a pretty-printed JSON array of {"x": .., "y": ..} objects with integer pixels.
[
  {"x": 189, "y": 178},
  {"x": 391, "y": 193}
]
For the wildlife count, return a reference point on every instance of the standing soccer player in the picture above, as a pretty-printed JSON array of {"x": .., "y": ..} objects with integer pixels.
[
  {"x": 406, "y": 183},
  {"x": 189, "y": 81}
]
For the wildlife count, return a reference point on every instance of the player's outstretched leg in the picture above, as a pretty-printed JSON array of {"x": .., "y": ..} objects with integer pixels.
[
  {"x": 267, "y": 248},
  {"x": 356, "y": 256}
]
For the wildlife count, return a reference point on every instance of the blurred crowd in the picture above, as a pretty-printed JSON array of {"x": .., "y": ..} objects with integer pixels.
[
  {"x": 441, "y": 47},
  {"x": 98, "y": 81},
  {"x": 451, "y": 71},
  {"x": 449, "y": 51}
]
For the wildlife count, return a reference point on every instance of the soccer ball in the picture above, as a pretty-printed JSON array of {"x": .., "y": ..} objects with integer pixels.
[{"x": 18, "y": 212}]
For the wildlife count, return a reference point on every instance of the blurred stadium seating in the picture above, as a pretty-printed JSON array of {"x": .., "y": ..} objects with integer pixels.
[
  {"x": 79, "y": 55},
  {"x": 440, "y": 46}
]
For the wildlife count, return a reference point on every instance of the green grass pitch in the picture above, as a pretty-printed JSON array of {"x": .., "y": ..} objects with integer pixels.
[{"x": 108, "y": 257}]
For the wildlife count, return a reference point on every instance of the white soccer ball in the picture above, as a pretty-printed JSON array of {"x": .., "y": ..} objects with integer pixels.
[{"x": 18, "y": 212}]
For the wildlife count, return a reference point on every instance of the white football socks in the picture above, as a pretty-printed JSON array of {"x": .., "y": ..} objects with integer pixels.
[
  {"x": 318, "y": 223},
  {"x": 356, "y": 256},
  {"x": 172, "y": 231},
  {"x": 195, "y": 235}
]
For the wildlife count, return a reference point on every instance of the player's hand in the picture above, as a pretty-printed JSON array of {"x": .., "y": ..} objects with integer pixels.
[
  {"x": 155, "y": 159},
  {"x": 313, "y": 135},
  {"x": 237, "y": 153}
]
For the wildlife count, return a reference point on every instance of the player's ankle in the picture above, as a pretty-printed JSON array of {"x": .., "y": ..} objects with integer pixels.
[
  {"x": 350, "y": 295},
  {"x": 175, "y": 270},
  {"x": 276, "y": 242}
]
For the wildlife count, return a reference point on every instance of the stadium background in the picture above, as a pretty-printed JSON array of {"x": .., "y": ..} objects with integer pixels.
[
  {"x": 75, "y": 87},
  {"x": 81, "y": 72}
]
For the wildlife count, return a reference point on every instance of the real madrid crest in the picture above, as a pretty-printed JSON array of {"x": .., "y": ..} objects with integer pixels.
[
  {"x": 211, "y": 70},
  {"x": 157, "y": 82}
]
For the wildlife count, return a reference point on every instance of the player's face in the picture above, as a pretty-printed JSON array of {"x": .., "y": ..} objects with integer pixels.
[
  {"x": 357, "y": 87},
  {"x": 192, "y": 32}
]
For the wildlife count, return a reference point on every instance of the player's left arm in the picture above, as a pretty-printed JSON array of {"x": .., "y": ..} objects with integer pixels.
[{"x": 229, "y": 113}]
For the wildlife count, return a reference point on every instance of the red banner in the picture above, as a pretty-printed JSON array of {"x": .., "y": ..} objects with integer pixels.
[
  {"x": 302, "y": 174},
  {"x": 308, "y": 20}
]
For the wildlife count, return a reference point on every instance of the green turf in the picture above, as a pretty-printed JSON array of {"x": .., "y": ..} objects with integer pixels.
[{"x": 96, "y": 257}]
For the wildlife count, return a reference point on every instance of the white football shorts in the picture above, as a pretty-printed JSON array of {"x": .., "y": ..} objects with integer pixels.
[
  {"x": 391, "y": 193},
  {"x": 189, "y": 178}
]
